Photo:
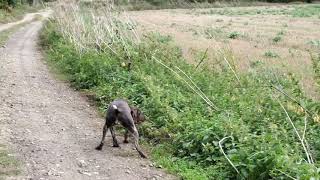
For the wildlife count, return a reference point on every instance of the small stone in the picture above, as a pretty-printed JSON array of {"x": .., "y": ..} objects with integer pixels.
[
  {"x": 82, "y": 163},
  {"x": 128, "y": 172},
  {"x": 84, "y": 173}
]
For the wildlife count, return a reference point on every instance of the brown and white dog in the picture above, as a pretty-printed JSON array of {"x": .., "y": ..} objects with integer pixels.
[{"x": 127, "y": 116}]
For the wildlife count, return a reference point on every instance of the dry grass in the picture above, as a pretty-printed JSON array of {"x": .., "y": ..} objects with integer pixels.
[
  {"x": 101, "y": 28},
  {"x": 273, "y": 38}
]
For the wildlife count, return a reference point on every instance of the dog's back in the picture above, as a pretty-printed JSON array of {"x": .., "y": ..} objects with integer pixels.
[{"x": 122, "y": 112}]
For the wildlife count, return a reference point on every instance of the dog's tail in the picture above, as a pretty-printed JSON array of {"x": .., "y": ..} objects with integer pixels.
[{"x": 115, "y": 108}]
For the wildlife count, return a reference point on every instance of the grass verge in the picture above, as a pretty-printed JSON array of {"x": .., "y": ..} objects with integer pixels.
[
  {"x": 4, "y": 35},
  {"x": 9, "y": 166},
  {"x": 239, "y": 126},
  {"x": 16, "y": 14}
]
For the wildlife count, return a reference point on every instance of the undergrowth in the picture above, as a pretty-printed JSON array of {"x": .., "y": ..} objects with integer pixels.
[{"x": 184, "y": 132}]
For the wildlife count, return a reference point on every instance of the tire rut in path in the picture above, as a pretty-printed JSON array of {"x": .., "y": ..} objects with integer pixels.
[{"x": 52, "y": 129}]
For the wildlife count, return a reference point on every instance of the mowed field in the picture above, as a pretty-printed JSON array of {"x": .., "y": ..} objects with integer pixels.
[{"x": 277, "y": 36}]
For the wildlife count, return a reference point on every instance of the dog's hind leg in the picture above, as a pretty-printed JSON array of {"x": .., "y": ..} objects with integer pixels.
[
  {"x": 115, "y": 141},
  {"x": 126, "y": 134},
  {"x": 135, "y": 134},
  {"x": 105, "y": 129}
]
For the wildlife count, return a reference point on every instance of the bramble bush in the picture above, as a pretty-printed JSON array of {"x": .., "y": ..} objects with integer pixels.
[{"x": 183, "y": 129}]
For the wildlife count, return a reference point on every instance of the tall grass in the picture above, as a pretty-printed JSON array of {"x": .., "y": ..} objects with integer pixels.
[{"x": 205, "y": 122}]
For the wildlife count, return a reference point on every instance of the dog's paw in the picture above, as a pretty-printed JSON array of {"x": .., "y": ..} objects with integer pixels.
[
  {"x": 116, "y": 145},
  {"x": 125, "y": 141},
  {"x": 143, "y": 155},
  {"x": 99, "y": 148}
]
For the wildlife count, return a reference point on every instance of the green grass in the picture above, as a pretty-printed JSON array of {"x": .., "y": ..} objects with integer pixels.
[
  {"x": 169, "y": 4},
  {"x": 307, "y": 11},
  {"x": 277, "y": 39},
  {"x": 314, "y": 43},
  {"x": 271, "y": 54},
  {"x": 16, "y": 14},
  {"x": 293, "y": 11},
  {"x": 183, "y": 131},
  {"x": 9, "y": 166},
  {"x": 234, "y": 35}
]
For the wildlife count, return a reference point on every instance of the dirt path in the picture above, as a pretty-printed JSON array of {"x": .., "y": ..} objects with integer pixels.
[
  {"x": 28, "y": 17},
  {"x": 51, "y": 128}
]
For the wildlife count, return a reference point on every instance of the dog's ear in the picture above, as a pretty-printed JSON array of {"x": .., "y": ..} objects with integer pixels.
[
  {"x": 134, "y": 114},
  {"x": 137, "y": 115},
  {"x": 140, "y": 116}
]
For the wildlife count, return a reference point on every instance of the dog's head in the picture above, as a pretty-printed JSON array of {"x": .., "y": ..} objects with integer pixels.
[{"x": 137, "y": 115}]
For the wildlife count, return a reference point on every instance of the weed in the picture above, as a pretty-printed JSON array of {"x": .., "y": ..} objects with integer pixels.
[
  {"x": 213, "y": 33},
  {"x": 315, "y": 43},
  {"x": 277, "y": 39},
  {"x": 234, "y": 35},
  {"x": 281, "y": 33},
  {"x": 271, "y": 54}
]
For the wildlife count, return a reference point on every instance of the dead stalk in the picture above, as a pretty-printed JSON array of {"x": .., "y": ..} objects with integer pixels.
[
  {"x": 225, "y": 155},
  {"x": 188, "y": 84},
  {"x": 286, "y": 174},
  {"x": 234, "y": 72},
  {"x": 297, "y": 133},
  {"x": 195, "y": 85}
]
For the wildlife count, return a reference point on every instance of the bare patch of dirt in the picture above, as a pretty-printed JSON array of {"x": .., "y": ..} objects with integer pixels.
[{"x": 52, "y": 129}]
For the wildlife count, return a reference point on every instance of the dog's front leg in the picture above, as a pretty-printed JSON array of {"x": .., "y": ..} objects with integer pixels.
[{"x": 135, "y": 134}]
